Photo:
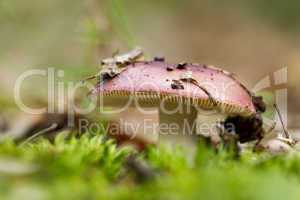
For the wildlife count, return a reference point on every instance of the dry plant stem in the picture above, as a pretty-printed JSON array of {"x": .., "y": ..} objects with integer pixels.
[
  {"x": 194, "y": 82},
  {"x": 88, "y": 79},
  {"x": 271, "y": 128},
  {"x": 51, "y": 128},
  {"x": 286, "y": 140},
  {"x": 286, "y": 133}
]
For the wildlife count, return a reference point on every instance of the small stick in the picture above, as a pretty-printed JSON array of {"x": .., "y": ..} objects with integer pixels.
[
  {"x": 51, "y": 128},
  {"x": 194, "y": 82},
  {"x": 88, "y": 78},
  {"x": 286, "y": 140},
  {"x": 273, "y": 126},
  {"x": 286, "y": 133},
  {"x": 115, "y": 53}
]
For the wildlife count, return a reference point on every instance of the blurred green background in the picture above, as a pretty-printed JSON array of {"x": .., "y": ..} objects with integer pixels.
[{"x": 251, "y": 38}]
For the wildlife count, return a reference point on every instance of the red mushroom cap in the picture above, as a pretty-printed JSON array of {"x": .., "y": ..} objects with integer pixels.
[{"x": 156, "y": 80}]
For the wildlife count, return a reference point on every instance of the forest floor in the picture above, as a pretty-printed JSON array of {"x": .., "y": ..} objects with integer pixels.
[{"x": 92, "y": 167}]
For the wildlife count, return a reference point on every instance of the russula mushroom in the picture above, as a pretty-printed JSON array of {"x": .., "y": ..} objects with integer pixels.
[{"x": 189, "y": 97}]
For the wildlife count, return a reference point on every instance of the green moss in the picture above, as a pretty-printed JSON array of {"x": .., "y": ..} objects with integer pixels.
[{"x": 91, "y": 167}]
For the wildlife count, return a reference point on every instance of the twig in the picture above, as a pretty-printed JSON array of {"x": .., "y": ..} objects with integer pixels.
[
  {"x": 194, "y": 82},
  {"x": 286, "y": 133},
  {"x": 88, "y": 78},
  {"x": 51, "y": 128}
]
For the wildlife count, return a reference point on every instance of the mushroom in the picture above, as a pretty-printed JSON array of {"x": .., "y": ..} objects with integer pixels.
[{"x": 190, "y": 98}]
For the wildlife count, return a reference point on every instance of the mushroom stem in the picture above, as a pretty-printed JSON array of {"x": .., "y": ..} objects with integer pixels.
[
  {"x": 135, "y": 124},
  {"x": 177, "y": 123},
  {"x": 208, "y": 125}
]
